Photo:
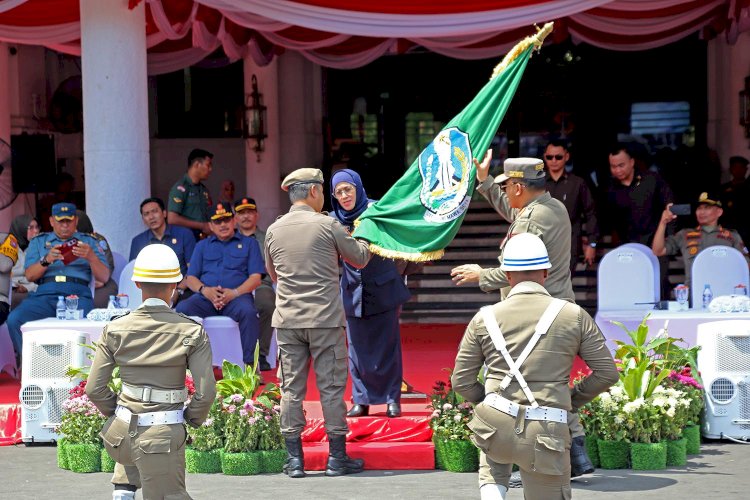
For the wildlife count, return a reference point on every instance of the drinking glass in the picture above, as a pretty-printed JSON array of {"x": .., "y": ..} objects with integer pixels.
[
  {"x": 122, "y": 300},
  {"x": 71, "y": 306}
]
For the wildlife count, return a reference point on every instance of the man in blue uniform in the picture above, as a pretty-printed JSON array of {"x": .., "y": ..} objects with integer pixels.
[
  {"x": 179, "y": 238},
  {"x": 225, "y": 269},
  {"x": 58, "y": 271}
]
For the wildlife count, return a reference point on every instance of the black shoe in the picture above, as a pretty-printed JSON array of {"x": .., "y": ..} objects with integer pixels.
[
  {"x": 358, "y": 411},
  {"x": 394, "y": 410},
  {"x": 295, "y": 459},
  {"x": 263, "y": 364},
  {"x": 580, "y": 463},
  {"x": 339, "y": 463}
]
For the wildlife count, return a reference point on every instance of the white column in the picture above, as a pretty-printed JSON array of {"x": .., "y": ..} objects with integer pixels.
[
  {"x": 263, "y": 177},
  {"x": 115, "y": 116},
  {"x": 728, "y": 65}
]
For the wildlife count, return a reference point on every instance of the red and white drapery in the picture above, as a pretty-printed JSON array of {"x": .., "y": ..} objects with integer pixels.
[{"x": 336, "y": 33}]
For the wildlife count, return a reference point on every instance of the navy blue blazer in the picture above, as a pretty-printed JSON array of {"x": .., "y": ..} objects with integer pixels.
[{"x": 376, "y": 288}]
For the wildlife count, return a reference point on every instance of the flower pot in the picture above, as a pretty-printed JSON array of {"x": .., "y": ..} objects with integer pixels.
[
  {"x": 62, "y": 454},
  {"x": 108, "y": 463},
  {"x": 457, "y": 455},
  {"x": 648, "y": 456},
  {"x": 692, "y": 434},
  {"x": 205, "y": 462},
  {"x": 241, "y": 464},
  {"x": 438, "y": 454},
  {"x": 613, "y": 454},
  {"x": 676, "y": 452},
  {"x": 592, "y": 450},
  {"x": 84, "y": 457},
  {"x": 272, "y": 460}
]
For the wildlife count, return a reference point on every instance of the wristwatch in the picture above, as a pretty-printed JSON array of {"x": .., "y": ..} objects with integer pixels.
[
  {"x": 201, "y": 289},
  {"x": 43, "y": 261}
]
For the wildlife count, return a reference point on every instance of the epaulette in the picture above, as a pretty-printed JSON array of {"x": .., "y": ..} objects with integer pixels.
[
  {"x": 119, "y": 316},
  {"x": 188, "y": 318}
]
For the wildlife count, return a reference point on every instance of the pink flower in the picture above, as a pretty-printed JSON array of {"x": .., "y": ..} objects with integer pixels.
[
  {"x": 243, "y": 412},
  {"x": 237, "y": 398},
  {"x": 231, "y": 408},
  {"x": 209, "y": 422},
  {"x": 251, "y": 421},
  {"x": 276, "y": 408},
  {"x": 268, "y": 417},
  {"x": 249, "y": 406}
]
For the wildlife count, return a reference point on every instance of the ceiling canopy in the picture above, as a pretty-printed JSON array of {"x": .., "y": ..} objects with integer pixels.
[{"x": 346, "y": 34}]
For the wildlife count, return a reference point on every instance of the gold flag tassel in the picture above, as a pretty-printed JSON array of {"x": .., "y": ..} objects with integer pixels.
[
  {"x": 536, "y": 40},
  {"x": 410, "y": 256}
]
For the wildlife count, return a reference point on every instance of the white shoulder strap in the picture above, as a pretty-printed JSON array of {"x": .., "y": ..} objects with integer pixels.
[
  {"x": 542, "y": 327},
  {"x": 499, "y": 342}
]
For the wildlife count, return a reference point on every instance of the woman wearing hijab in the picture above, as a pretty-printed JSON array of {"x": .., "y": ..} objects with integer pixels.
[
  {"x": 24, "y": 228},
  {"x": 372, "y": 297}
]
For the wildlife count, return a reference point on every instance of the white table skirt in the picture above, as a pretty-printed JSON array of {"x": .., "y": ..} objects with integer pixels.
[{"x": 682, "y": 324}]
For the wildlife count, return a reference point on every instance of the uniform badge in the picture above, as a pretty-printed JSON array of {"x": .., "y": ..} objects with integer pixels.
[
  {"x": 445, "y": 166},
  {"x": 177, "y": 200},
  {"x": 181, "y": 188},
  {"x": 174, "y": 241},
  {"x": 239, "y": 245},
  {"x": 693, "y": 250}
]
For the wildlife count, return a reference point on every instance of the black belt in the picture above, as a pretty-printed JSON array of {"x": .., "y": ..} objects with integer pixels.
[{"x": 63, "y": 279}]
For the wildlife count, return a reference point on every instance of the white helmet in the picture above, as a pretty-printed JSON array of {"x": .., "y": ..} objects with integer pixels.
[
  {"x": 525, "y": 252},
  {"x": 157, "y": 263}
]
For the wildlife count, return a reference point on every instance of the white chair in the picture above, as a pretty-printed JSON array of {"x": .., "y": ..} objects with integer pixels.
[
  {"x": 224, "y": 335},
  {"x": 120, "y": 263},
  {"x": 628, "y": 279},
  {"x": 127, "y": 286},
  {"x": 721, "y": 267}
]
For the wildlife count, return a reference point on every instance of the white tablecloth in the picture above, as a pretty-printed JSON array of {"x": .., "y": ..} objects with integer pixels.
[{"x": 682, "y": 324}]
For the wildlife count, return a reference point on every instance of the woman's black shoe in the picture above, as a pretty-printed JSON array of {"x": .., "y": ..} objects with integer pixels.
[
  {"x": 394, "y": 410},
  {"x": 358, "y": 411}
]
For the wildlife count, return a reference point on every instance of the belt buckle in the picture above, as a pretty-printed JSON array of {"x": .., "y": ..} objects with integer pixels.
[
  {"x": 146, "y": 396},
  {"x": 60, "y": 279}
]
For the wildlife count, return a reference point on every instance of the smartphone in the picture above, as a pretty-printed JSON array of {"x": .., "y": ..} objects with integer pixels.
[
  {"x": 66, "y": 249},
  {"x": 682, "y": 209}
]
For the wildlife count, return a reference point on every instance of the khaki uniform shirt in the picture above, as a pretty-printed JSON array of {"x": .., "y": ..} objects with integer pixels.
[
  {"x": 260, "y": 237},
  {"x": 302, "y": 255},
  {"x": 547, "y": 369},
  {"x": 545, "y": 217},
  {"x": 153, "y": 346},
  {"x": 690, "y": 242}
]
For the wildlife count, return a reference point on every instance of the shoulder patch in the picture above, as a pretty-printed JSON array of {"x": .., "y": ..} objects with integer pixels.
[
  {"x": 119, "y": 316},
  {"x": 176, "y": 199},
  {"x": 181, "y": 188}
]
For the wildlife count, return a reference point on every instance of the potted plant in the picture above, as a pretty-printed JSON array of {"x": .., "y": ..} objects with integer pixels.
[
  {"x": 239, "y": 457},
  {"x": 203, "y": 455},
  {"x": 454, "y": 450},
  {"x": 606, "y": 418},
  {"x": 80, "y": 425},
  {"x": 692, "y": 389}
]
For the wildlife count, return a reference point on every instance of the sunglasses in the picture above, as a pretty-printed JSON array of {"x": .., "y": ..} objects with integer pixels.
[
  {"x": 223, "y": 220},
  {"x": 554, "y": 157}
]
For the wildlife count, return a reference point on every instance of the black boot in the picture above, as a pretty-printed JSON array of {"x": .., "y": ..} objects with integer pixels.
[
  {"x": 339, "y": 463},
  {"x": 295, "y": 460},
  {"x": 358, "y": 410},
  {"x": 579, "y": 461}
]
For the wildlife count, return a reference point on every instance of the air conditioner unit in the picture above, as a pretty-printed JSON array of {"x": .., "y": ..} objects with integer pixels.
[
  {"x": 47, "y": 354},
  {"x": 724, "y": 363}
]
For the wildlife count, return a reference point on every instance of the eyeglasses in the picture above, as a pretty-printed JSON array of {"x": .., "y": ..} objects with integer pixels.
[
  {"x": 506, "y": 185},
  {"x": 347, "y": 190},
  {"x": 554, "y": 157}
]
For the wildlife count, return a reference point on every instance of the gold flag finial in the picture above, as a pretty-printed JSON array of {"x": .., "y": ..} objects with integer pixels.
[{"x": 536, "y": 40}]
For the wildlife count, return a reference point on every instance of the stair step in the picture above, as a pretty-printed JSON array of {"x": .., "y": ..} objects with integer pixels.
[{"x": 377, "y": 456}]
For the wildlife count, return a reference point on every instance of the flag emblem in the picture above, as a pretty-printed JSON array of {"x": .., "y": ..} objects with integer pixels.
[{"x": 445, "y": 165}]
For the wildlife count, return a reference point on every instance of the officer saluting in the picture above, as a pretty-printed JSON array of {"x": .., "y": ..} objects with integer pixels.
[
  {"x": 302, "y": 255},
  {"x": 528, "y": 342},
  {"x": 153, "y": 346},
  {"x": 62, "y": 263}
]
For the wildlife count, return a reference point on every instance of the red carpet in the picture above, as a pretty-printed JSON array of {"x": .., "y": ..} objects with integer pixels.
[{"x": 429, "y": 351}]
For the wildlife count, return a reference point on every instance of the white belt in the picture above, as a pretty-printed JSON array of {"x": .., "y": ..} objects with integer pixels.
[
  {"x": 546, "y": 413},
  {"x": 151, "y": 395},
  {"x": 151, "y": 418}
]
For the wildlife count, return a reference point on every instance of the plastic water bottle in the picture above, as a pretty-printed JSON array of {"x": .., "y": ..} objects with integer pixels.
[
  {"x": 60, "y": 307},
  {"x": 111, "y": 304},
  {"x": 707, "y": 296}
]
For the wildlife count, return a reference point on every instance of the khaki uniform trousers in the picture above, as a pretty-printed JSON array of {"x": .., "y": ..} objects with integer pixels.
[
  {"x": 154, "y": 459},
  {"x": 327, "y": 347},
  {"x": 540, "y": 449},
  {"x": 265, "y": 303}
]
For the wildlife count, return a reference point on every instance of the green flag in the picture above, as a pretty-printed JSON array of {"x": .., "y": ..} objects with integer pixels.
[{"x": 419, "y": 216}]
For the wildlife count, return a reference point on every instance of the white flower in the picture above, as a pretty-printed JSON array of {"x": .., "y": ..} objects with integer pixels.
[
  {"x": 672, "y": 402},
  {"x": 684, "y": 402},
  {"x": 605, "y": 396},
  {"x": 447, "y": 406},
  {"x": 457, "y": 418},
  {"x": 659, "y": 401},
  {"x": 619, "y": 419},
  {"x": 632, "y": 405},
  {"x": 617, "y": 392},
  {"x": 659, "y": 389},
  {"x": 670, "y": 412}
]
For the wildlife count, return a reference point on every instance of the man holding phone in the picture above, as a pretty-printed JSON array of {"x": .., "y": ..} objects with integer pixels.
[
  {"x": 62, "y": 262},
  {"x": 690, "y": 241}
]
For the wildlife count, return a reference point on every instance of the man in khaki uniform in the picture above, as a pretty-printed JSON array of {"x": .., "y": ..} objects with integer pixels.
[
  {"x": 519, "y": 196},
  {"x": 689, "y": 242},
  {"x": 153, "y": 346},
  {"x": 528, "y": 343},
  {"x": 302, "y": 252}
]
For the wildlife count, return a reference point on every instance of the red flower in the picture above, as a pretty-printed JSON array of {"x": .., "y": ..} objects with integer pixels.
[
  {"x": 190, "y": 385},
  {"x": 78, "y": 390}
]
